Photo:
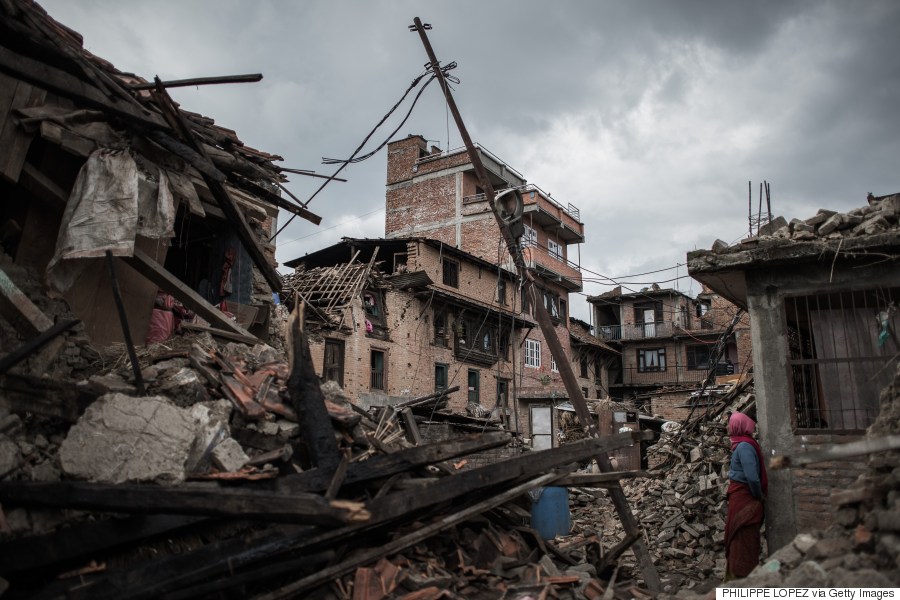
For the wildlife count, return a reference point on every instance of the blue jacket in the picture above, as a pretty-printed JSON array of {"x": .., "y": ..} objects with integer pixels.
[{"x": 745, "y": 468}]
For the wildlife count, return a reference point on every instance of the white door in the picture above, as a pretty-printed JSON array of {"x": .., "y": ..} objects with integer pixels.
[{"x": 541, "y": 427}]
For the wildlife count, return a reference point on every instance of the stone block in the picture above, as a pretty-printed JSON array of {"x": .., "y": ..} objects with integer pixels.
[
  {"x": 809, "y": 574},
  {"x": 10, "y": 459},
  {"x": 228, "y": 455},
  {"x": 124, "y": 439}
]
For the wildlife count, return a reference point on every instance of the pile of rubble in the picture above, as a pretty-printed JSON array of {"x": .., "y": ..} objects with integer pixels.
[{"x": 881, "y": 215}]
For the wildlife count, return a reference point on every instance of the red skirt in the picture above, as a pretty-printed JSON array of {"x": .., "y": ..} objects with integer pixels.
[{"x": 742, "y": 540}]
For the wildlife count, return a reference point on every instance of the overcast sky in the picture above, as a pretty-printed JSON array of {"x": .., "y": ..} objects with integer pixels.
[{"x": 650, "y": 117}]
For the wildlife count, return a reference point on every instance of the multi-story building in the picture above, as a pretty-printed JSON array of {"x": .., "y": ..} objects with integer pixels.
[
  {"x": 450, "y": 308},
  {"x": 666, "y": 340}
]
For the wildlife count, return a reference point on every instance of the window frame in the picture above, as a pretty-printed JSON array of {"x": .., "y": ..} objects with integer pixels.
[
  {"x": 339, "y": 365},
  {"x": 532, "y": 353},
  {"x": 642, "y": 363},
  {"x": 473, "y": 395},
  {"x": 443, "y": 368},
  {"x": 450, "y": 272},
  {"x": 373, "y": 374}
]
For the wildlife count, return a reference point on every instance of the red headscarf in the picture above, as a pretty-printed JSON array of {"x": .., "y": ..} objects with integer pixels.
[{"x": 740, "y": 428}]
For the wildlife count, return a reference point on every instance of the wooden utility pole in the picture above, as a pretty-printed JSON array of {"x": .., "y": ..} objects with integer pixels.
[{"x": 651, "y": 577}]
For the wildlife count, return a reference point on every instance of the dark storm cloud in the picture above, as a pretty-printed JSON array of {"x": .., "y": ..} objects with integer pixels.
[{"x": 651, "y": 117}]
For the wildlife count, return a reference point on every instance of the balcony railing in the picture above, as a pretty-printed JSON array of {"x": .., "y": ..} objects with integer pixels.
[
  {"x": 636, "y": 331},
  {"x": 670, "y": 375},
  {"x": 571, "y": 210}
]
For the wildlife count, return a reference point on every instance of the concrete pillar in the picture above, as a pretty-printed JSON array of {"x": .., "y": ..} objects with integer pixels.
[{"x": 773, "y": 407}]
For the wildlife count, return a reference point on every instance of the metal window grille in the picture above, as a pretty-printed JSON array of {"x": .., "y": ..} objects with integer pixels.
[{"x": 842, "y": 350}]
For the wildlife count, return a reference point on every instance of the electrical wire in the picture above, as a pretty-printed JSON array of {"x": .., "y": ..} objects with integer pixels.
[{"x": 415, "y": 82}]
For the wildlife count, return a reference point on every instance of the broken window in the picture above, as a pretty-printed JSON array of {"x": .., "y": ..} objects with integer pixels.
[
  {"x": 400, "y": 262},
  {"x": 441, "y": 371},
  {"x": 697, "y": 357},
  {"x": 842, "y": 351},
  {"x": 372, "y": 305},
  {"x": 378, "y": 377},
  {"x": 451, "y": 272},
  {"x": 553, "y": 366},
  {"x": 652, "y": 359},
  {"x": 474, "y": 386},
  {"x": 333, "y": 367},
  {"x": 533, "y": 353}
]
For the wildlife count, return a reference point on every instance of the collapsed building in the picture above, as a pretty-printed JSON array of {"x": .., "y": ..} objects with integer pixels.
[
  {"x": 97, "y": 161},
  {"x": 822, "y": 296}
]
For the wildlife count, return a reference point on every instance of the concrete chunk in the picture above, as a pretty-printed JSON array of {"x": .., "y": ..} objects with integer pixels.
[
  {"x": 121, "y": 439},
  {"x": 228, "y": 456}
]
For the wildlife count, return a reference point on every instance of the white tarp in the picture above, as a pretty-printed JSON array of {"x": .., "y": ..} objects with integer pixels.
[{"x": 111, "y": 202}]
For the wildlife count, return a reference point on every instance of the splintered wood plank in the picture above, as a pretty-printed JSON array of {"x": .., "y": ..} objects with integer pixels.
[
  {"x": 384, "y": 465},
  {"x": 14, "y": 140},
  {"x": 523, "y": 466},
  {"x": 156, "y": 273},
  {"x": 184, "y": 500},
  {"x": 19, "y": 311},
  {"x": 368, "y": 556},
  {"x": 85, "y": 540},
  {"x": 309, "y": 402}
]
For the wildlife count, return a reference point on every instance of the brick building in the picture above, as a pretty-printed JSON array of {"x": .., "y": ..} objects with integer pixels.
[
  {"x": 453, "y": 312},
  {"x": 667, "y": 340},
  {"x": 822, "y": 294}
]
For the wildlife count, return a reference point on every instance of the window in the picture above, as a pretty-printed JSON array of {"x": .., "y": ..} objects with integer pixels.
[
  {"x": 529, "y": 238},
  {"x": 526, "y": 302},
  {"x": 554, "y": 250},
  {"x": 553, "y": 366},
  {"x": 377, "y": 380},
  {"x": 440, "y": 376},
  {"x": 583, "y": 363},
  {"x": 440, "y": 328},
  {"x": 501, "y": 291},
  {"x": 474, "y": 386},
  {"x": 476, "y": 334},
  {"x": 333, "y": 367},
  {"x": 451, "y": 272},
  {"x": 648, "y": 315},
  {"x": 585, "y": 394},
  {"x": 533, "y": 353},
  {"x": 503, "y": 400},
  {"x": 504, "y": 345},
  {"x": 842, "y": 351},
  {"x": 562, "y": 309},
  {"x": 400, "y": 260},
  {"x": 372, "y": 305},
  {"x": 551, "y": 303},
  {"x": 697, "y": 357},
  {"x": 653, "y": 359}
]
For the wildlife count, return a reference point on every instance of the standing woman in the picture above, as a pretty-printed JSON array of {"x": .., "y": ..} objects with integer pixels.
[{"x": 747, "y": 488}]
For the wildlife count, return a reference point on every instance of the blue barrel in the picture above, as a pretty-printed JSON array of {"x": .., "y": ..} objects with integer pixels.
[{"x": 550, "y": 515}]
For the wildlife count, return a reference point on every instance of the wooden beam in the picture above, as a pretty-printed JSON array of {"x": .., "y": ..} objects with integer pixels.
[
  {"x": 423, "y": 533},
  {"x": 152, "y": 270},
  {"x": 220, "y": 193},
  {"x": 384, "y": 465},
  {"x": 250, "y": 78},
  {"x": 85, "y": 540},
  {"x": 183, "y": 500},
  {"x": 19, "y": 311},
  {"x": 869, "y": 445},
  {"x": 60, "y": 82},
  {"x": 264, "y": 194},
  {"x": 36, "y": 182},
  {"x": 521, "y": 467},
  {"x": 307, "y": 398},
  {"x": 35, "y": 344},
  {"x": 219, "y": 333},
  {"x": 597, "y": 479}
]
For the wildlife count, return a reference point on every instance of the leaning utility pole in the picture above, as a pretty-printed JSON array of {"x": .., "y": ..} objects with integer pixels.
[{"x": 632, "y": 530}]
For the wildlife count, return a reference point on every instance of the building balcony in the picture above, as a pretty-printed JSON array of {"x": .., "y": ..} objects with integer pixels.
[
  {"x": 550, "y": 265},
  {"x": 676, "y": 375},
  {"x": 637, "y": 331},
  {"x": 551, "y": 216},
  {"x": 543, "y": 212}
]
